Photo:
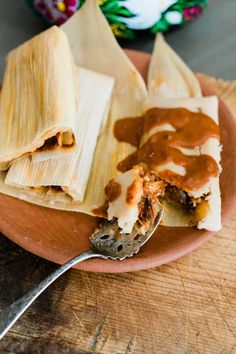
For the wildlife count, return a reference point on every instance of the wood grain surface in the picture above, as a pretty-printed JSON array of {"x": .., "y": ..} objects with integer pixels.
[{"x": 187, "y": 306}]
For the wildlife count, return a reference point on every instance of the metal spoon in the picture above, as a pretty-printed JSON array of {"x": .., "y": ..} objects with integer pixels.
[{"x": 106, "y": 242}]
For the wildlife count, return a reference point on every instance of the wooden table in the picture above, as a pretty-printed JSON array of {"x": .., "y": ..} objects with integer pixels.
[{"x": 187, "y": 306}]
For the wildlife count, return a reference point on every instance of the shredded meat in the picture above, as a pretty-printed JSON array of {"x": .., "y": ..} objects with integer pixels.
[
  {"x": 172, "y": 192},
  {"x": 153, "y": 188},
  {"x": 176, "y": 195}
]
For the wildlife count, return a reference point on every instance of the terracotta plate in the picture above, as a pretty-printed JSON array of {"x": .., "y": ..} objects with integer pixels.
[{"x": 60, "y": 235}]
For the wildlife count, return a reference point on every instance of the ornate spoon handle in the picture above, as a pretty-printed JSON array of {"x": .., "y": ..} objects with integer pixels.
[{"x": 10, "y": 314}]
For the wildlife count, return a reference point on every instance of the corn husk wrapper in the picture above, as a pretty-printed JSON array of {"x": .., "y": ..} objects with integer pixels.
[
  {"x": 168, "y": 75},
  {"x": 38, "y": 96},
  {"x": 71, "y": 171},
  {"x": 171, "y": 84},
  {"x": 94, "y": 47}
]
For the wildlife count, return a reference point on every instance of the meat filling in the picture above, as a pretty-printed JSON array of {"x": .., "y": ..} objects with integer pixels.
[
  {"x": 155, "y": 189},
  {"x": 176, "y": 195},
  {"x": 135, "y": 198},
  {"x": 148, "y": 207},
  {"x": 65, "y": 139}
]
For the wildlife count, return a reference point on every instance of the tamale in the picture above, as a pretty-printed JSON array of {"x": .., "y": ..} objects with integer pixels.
[
  {"x": 37, "y": 103},
  {"x": 178, "y": 141},
  {"x": 70, "y": 173},
  {"x": 178, "y": 86},
  {"x": 203, "y": 202}
]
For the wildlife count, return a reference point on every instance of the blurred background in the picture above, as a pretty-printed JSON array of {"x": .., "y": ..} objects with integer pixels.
[{"x": 207, "y": 44}]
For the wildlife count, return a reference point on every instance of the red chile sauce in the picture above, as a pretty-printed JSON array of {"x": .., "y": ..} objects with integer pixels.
[
  {"x": 112, "y": 191},
  {"x": 192, "y": 130}
]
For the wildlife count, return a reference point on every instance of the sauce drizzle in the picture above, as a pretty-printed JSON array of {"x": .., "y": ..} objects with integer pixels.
[
  {"x": 192, "y": 129},
  {"x": 112, "y": 190}
]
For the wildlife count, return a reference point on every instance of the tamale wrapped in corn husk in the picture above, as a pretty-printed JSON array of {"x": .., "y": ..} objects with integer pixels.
[
  {"x": 69, "y": 174},
  {"x": 178, "y": 216},
  {"x": 172, "y": 84},
  {"x": 37, "y": 102},
  {"x": 94, "y": 47}
]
